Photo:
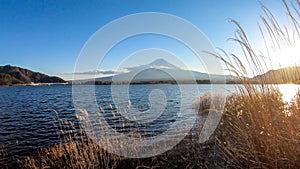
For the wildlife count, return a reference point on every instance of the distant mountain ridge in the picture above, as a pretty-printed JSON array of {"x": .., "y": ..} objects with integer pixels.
[
  {"x": 161, "y": 71},
  {"x": 156, "y": 72},
  {"x": 279, "y": 76},
  {"x": 12, "y": 75}
]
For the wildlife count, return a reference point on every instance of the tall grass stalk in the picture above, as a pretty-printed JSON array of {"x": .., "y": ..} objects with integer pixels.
[{"x": 258, "y": 129}]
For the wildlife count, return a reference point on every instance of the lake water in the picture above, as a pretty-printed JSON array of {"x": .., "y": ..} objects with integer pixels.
[{"x": 27, "y": 112}]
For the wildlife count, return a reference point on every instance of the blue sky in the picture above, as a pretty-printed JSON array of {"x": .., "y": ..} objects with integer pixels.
[{"x": 47, "y": 36}]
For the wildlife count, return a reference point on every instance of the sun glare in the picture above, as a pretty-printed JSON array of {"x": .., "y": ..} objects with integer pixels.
[
  {"x": 286, "y": 56},
  {"x": 288, "y": 91}
]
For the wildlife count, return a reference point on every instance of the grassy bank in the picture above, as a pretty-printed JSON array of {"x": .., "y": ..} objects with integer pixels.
[{"x": 256, "y": 131}]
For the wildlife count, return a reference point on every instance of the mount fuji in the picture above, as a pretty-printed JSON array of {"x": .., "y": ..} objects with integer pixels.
[{"x": 161, "y": 71}]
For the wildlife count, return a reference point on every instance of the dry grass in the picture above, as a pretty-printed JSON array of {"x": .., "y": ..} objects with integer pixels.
[
  {"x": 84, "y": 153},
  {"x": 73, "y": 151},
  {"x": 260, "y": 131}
]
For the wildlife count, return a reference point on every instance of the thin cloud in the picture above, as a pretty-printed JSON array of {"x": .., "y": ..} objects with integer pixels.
[
  {"x": 91, "y": 74},
  {"x": 96, "y": 72}
]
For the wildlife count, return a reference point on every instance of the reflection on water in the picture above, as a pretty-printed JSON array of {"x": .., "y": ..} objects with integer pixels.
[{"x": 288, "y": 91}]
